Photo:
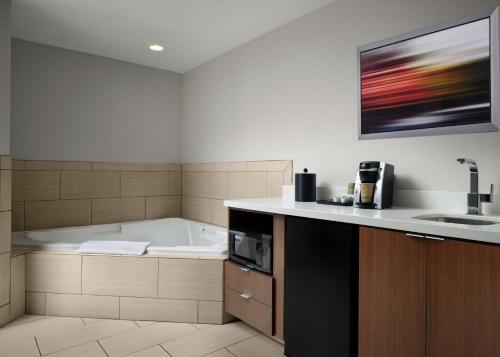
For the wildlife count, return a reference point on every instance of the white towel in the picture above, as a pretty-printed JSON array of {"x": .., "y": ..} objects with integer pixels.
[{"x": 113, "y": 247}]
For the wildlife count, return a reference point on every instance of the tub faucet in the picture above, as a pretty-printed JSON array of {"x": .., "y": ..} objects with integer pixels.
[{"x": 474, "y": 198}]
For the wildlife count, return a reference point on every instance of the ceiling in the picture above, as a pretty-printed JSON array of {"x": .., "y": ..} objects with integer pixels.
[{"x": 192, "y": 31}]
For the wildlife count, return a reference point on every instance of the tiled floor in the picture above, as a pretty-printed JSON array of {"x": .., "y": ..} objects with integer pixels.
[{"x": 34, "y": 335}]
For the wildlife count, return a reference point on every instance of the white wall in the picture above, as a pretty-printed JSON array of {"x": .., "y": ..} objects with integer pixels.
[
  {"x": 5, "y": 36},
  {"x": 291, "y": 94},
  {"x": 67, "y": 105}
]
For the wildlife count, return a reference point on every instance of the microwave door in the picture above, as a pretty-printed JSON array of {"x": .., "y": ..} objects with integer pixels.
[{"x": 245, "y": 247}]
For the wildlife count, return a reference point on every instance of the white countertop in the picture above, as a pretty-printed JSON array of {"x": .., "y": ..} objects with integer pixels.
[{"x": 400, "y": 219}]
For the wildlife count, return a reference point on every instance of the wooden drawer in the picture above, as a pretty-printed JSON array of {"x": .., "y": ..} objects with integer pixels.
[
  {"x": 253, "y": 312},
  {"x": 245, "y": 281}
]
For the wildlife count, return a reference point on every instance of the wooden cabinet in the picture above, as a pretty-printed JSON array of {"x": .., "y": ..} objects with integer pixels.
[
  {"x": 463, "y": 308},
  {"x": 248, "y": 282},
  {"x": 422, "y": 297},
  {"x": 249, "y": 296},
  {"x": 250, "y": 310},
  {"x": 392, "y": 293},
  {"x": 252, "y": 296}
]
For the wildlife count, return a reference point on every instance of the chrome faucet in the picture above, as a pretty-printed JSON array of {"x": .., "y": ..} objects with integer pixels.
[{"x": 474, "y": 198}]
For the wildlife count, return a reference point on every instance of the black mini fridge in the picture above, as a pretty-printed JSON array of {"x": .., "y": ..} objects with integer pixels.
[{"x": 321, "y": 288}]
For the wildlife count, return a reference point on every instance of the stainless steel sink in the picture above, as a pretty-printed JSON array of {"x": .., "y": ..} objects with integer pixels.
[{"x": 457, "y": 220}]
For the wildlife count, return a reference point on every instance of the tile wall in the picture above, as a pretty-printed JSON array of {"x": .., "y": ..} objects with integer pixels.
[
  {"x": 206, "y": 186},
  {"x": 129, "y": 288},
  {"x": 5, "y": 237},
  {"x": 54, "y": 194}
]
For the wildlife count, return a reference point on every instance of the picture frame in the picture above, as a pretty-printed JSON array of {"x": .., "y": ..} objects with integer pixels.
[{"x": 383, "y": 127}]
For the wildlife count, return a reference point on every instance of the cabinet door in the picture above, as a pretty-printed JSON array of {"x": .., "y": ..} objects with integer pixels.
[
  {"x": 463, "y": 299},
  {"x": 392, "y": 294}
]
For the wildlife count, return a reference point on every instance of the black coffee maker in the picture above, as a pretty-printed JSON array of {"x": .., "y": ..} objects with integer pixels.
[{"x": 374, "y": 185}]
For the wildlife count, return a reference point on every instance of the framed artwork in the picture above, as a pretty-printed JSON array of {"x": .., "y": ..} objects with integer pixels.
[{"x": 444, "y": 79}]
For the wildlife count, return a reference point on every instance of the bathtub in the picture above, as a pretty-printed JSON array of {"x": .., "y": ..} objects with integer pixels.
[
  {"x": 169, "y": 236},
  {"x": 179, "y": 279}
]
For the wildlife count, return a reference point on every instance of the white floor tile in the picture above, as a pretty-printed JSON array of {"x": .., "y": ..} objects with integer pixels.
[
  {"x": 144, "y": 337},
  {"x": 50, "y": 342},
  {"x": 144, "y": 323},
  {"x": 91, "y": 349},
  {"x": 221, "y": 353},
  {"x": 155, "y": 351},
  {"x": 209, "y": 340},
  {"x": 257, "y": 346}
]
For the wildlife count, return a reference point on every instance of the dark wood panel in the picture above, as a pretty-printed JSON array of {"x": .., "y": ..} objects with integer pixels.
[
  {"x": 279, "y": 274},
  {"x": 463, "y": 298},
  {"x": 445, "y": 305},
  {"x": 392, "y": 294},
  {"x": 258, "y": 285},
  {"x": 482, "y": 299},
  {"x": 235, "y": 278},
  {"x": 253, "y": 312}
]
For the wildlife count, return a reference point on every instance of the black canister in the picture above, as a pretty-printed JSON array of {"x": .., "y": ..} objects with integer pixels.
[{"x": 305, "y": 187}]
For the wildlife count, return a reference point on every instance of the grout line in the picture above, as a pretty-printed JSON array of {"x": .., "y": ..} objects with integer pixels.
[
  {"x": 121, "y": 178},
  {"x": 102, "y": 347},
  {"x": 60, "y": 185},
  {"x": 24, "y": 215},
  {"x": 245, "y": 339},
  {"x": 230, "y": 352},
  {"x": 168, "y": 354},
  {"x": 38, "y": 347},
  {"x": 158, "y": 279}
]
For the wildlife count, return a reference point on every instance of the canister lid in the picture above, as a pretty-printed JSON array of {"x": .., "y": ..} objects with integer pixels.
[{"x": 305, "y": 172}]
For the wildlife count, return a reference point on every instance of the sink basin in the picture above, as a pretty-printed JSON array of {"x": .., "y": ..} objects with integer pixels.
[{"x": 457, "y": 220}]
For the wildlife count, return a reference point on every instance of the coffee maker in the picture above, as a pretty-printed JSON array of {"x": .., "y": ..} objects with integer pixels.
[{"x": 374, "y": 185}]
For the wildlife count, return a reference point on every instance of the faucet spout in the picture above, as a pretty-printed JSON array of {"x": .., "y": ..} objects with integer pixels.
[
  {"x": 474, "y": 198},
  {"x": 471, "y": 162}
]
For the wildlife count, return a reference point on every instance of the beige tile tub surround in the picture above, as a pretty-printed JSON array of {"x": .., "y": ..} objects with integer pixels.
[
  {"x": 55, "y": 273},
  {"x": 35, "y": 303},
  {"x": 17, "y": 286},
  {"x": 5, "y": 237},
  {"x": 50, "y": 214},
  {"x": 159, "y": 309},
  {"x": 4, "y": 279},
  {"x": 5, "y": 231},
  {"x": 119, "y": 287},
  {"x": 55, "y": 194},
  {"x": 120, "y": 276},
  {"x": 190, "y": 278},
  {"x": 205, "y": 186},
  {"x": 82, "y": 305},
  {"x": 115, "y": 210}
]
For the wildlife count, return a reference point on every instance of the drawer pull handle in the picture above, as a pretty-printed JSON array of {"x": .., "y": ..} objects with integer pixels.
[
  {"x": 434, "y": 238},
  {"x": 413, "y": 235},
  {"x": 245, "y": 269},
  {"x": 423, "y": 237},
  {"x": 245, "y": 296}
]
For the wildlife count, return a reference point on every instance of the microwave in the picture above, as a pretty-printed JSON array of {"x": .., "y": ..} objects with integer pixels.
[{"x": 253, "y": 250}]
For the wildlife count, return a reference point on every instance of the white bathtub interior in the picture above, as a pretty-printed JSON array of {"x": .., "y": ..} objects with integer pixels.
[{"x": 168, "y": 235}]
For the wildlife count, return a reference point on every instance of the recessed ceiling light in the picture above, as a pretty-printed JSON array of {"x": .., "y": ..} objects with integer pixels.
[{"x": 156, "y": 48}]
